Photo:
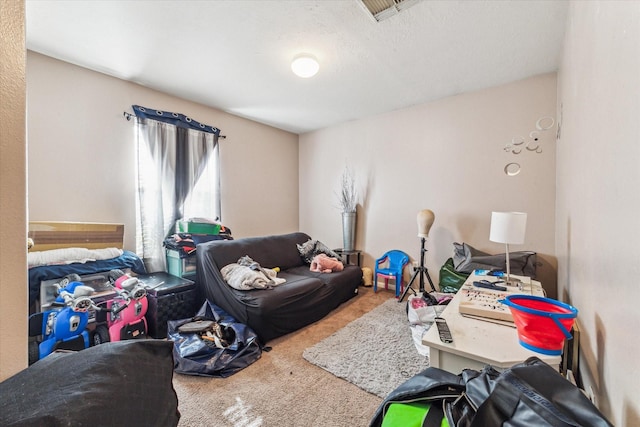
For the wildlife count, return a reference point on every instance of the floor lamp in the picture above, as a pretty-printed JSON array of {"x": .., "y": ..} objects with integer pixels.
[
  {"x": 425, "y": 221},
  {"x": 508, "y": 228}
]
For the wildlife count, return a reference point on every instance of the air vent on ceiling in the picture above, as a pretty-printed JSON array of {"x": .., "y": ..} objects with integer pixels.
[{"x": 383, "y": 9}]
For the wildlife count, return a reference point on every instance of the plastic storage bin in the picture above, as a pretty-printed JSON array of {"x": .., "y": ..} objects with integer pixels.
[
  {"x": 197, "y": 227},
  {"x": 180, "y": 266},
  {"x": 103, "y": 292}
]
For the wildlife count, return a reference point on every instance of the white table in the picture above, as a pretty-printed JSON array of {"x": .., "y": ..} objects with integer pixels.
[{"x": 477, "y": 343}]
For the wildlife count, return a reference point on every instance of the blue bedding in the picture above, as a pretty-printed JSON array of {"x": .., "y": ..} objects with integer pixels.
[{"x": 48, "y": 272}]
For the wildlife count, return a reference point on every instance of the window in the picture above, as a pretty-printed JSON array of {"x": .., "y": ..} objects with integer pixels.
[{"x": 177, "y": 177}]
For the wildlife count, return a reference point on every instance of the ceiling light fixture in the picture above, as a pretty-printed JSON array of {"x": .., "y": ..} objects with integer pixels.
[
  {"x": 383, "y": 9},
  {"x": 305, "y": 66}
]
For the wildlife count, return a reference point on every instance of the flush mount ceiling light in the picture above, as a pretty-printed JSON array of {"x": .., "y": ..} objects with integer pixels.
[{"x": 305, "y": 66}]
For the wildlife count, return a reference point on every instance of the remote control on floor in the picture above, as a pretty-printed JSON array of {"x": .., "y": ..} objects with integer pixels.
[{"x": 443, "y": 330}]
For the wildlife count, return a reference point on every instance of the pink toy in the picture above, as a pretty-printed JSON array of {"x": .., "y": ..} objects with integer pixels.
[
  {"x": 123, "y": 317},
  {"x": 325, "y": 264}
]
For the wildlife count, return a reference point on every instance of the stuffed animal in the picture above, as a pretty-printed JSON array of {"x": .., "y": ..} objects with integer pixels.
[{"x": 325, "y": 264}]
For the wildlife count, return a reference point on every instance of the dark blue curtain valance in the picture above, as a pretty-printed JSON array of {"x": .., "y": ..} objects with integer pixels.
[{"x": 176, "y": 119}]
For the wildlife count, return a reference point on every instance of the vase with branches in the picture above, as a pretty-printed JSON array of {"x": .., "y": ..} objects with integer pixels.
[{"x": 348, "y": 200}]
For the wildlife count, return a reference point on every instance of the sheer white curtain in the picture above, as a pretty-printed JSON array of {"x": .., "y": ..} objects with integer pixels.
[
  {"x": 204, "y": 198},
  {"x": 177, "y": 178}
]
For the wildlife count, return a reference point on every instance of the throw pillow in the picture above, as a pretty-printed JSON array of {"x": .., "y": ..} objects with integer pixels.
[{"x": 309, "y": 249}]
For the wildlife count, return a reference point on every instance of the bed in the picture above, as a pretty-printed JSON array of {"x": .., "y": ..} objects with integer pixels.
[
  {"x": 87, "y": 387},
  {"x": 83, "y": 248}
]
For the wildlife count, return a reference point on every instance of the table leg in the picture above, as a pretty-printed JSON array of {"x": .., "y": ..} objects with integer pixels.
[{"x": 434, "y": 357}]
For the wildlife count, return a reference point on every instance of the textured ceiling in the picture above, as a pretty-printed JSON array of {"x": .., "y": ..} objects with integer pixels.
[{"x": 235, "y": 55}]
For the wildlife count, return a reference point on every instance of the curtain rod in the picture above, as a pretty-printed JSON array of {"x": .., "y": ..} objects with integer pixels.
[{"x": 128, "y": 116}]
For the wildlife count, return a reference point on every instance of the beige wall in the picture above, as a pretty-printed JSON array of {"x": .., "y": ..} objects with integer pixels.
[
  {"x": 598, "y": 200},
  {"x": 82, "y": 153},
  {"x": 446, "y": 156},
  {"x": 13, "y": 231}
]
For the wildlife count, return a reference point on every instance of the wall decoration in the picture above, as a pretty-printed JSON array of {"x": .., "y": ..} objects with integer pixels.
[
  {"x": 512, "y": 169},
  {"x": 532, "y": 144}
]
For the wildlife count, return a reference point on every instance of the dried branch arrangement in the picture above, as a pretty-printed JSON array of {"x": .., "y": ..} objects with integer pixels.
[{"x": 348, "y": 197}]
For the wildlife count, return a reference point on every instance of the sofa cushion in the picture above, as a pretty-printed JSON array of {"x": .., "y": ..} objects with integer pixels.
[
  {"x": 296, "y": 303},
  {"x": 269, "y": 251},
  {"x": 349, "y": 275}
]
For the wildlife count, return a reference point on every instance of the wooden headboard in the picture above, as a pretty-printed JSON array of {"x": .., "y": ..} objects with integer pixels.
[{"x": 48, "y": 235}]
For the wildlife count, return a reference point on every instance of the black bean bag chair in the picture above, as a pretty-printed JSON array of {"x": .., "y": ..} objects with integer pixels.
[{"x": 125, "y": 383}]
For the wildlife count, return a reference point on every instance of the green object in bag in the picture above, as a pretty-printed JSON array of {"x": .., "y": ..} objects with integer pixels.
[
  {"x": 450, "y": 280},
  {"x": 409, "y": 415}
]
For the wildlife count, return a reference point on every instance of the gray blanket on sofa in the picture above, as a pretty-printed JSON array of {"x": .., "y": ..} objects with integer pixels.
[{"x": 244, "y": 278}]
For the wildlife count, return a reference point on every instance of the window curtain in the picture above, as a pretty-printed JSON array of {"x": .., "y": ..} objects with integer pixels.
[{"x": 173, "y": 151}]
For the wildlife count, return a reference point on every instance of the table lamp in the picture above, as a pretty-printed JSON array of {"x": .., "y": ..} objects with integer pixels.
[{"x": 508, "y": 228}]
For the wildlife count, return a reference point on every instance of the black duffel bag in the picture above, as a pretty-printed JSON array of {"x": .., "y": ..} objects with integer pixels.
[
  {"x": 534, "y": 394},
  {"x": 466, "y": 258},
  {"x": 528, "y": 394},
  {"x": 220, "y": 348}
]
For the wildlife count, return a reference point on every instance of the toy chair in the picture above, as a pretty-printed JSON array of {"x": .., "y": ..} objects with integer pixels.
[{"x": 396, "y": 260}]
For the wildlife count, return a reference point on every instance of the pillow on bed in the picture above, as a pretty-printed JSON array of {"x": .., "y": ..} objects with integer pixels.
[
  {"x": 70, "y": 256},
  {"x": 309, "y": 249},
  {"x": 117, "y": 384}
]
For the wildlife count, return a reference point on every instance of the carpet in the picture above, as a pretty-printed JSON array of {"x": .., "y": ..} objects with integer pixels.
[
  {"x": 282, "y": 389},
  {"x": 375, "y": 352}
]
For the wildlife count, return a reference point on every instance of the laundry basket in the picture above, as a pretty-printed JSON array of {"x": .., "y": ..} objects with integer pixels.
[{"x": 542, "y": 323}]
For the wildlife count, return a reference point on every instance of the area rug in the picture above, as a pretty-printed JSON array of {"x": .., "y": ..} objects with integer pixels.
[{"x": 375, "y": 352}]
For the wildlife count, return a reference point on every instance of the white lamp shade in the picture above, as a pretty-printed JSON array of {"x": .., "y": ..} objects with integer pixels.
[{"x": 508, "y": 227}]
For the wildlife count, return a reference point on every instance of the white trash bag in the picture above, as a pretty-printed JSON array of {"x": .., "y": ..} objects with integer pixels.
[{"x": 422, "y": 315}]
